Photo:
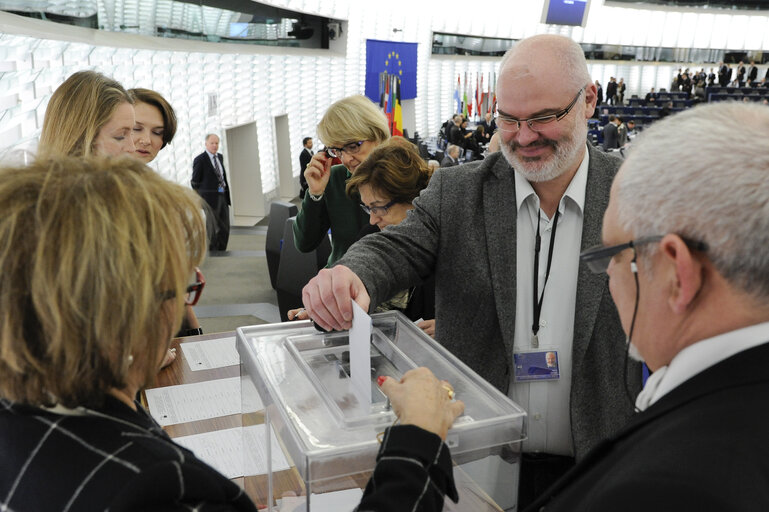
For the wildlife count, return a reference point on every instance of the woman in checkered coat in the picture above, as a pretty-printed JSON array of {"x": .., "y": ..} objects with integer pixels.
[{"x": 95, "y": 256}]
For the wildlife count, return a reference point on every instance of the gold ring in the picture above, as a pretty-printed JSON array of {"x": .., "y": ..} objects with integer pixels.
[{"x": 449, "y": 391}]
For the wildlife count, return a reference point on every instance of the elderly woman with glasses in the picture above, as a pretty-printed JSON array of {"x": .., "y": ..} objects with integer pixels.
[{"x": 351, "y": 128}]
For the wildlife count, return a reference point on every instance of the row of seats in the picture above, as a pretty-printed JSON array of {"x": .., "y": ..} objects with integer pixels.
[
  {"x": 737, "y": 97},
  {"x": 289, "y": 269}
]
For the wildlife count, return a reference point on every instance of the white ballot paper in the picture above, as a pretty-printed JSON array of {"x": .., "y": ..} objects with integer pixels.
[
  {"x": 192, "y": 402},
  {"x": 236, "y": 452},
  {"x": 208, "y": 354},
  {"x": 360, "y": 355}
]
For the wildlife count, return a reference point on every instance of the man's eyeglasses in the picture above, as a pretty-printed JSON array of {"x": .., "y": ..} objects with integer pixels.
[
  {"x": 512, "y": 125},
  {"x": 379, "y": 211},
  {"x": 598, "y": 258},
  {"x": 350, "y": 149},
  {"x": 194, "y": 291}
]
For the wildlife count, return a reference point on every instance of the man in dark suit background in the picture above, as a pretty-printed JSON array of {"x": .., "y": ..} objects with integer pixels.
[
  {"x": 723, "y": 74},
  {"x": 752, "y": 72},
  {"x": 209, "y": 179},
  {"x": 475, "y": 229},
  {"x": 455, "y": 131},
  {"x": 611, "y": 91},
  {"x": 610, "y": 134},
  {"x": 452, "y": 156},
  {"x": 702, "y": 321},
  {"x": 304, "y": 159}
]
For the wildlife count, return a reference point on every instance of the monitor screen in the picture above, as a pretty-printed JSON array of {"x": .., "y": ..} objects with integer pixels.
[
  {"x": 565, "y": 12},
  {"x": 238, "y": 30}
]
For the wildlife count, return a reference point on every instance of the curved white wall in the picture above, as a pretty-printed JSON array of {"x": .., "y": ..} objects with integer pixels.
[{"x": 257, "y": 83}]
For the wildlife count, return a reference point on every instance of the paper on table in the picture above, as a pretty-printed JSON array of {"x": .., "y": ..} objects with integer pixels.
[
  {"x": 208, "y": 354},
  {"x": 192, "y": 402},
  {"x": 360, "y": 355},
  {"x": 336, "y": 501},
  {"x": 236, "y": 452}
]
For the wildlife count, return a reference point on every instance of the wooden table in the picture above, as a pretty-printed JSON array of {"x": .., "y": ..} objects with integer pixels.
[{"x": 179, "y": 372}]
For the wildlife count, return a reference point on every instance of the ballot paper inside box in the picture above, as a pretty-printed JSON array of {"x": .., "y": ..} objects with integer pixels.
[{"x": 327, "y": 426}]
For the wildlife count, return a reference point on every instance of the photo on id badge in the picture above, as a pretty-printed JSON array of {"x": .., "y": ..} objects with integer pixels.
[{"x": 536, "y": 365}]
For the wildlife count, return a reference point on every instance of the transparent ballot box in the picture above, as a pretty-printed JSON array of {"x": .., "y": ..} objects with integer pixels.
[{"x": 297, "y": 391}]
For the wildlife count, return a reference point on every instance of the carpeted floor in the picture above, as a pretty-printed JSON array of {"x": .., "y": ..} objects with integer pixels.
[{"x": 238, "y": 290}]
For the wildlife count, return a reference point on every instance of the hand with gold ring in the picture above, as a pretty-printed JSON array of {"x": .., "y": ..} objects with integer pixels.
[
  {"x": 297, "y": 314},
  {"x": 421, "y": 399}
]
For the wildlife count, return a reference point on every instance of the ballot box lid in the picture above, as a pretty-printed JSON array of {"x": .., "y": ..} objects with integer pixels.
[{"x": 302, "y": 379}]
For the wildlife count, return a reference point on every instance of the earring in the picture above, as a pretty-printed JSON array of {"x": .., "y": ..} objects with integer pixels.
[{"x": 130, "y": 359}]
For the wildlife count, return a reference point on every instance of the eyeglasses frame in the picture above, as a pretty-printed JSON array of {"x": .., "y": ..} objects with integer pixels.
[
  {"x": 371, "y": 209},
  {"x": 349, "y": 148},
  {"x": 503, "y": 118}
]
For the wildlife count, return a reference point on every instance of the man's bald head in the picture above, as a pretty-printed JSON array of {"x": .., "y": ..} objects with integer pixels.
[{"x": 546, "y": 55}]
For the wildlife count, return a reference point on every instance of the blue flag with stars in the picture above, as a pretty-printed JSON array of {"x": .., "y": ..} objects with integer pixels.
[{"x": 395, "y": 58}]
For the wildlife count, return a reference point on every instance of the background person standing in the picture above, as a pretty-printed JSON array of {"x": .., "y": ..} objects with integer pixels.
[
  {"x": 304, "y": 160},
  {"x": 209, "y": 179}
]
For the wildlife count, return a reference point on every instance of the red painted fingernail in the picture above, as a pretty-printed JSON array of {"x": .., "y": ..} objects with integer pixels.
[{"x": 380, "y": 380}]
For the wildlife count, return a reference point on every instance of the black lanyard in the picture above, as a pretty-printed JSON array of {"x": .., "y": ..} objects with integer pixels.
[{"x": 538, "y": 299}]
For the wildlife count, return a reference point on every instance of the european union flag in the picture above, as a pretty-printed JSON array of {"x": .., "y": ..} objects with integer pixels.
[{"x": 396, "y": 59}]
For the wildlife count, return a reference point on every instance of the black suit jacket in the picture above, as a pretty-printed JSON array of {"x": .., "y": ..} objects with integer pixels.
[
  {"x": 448, "y": 162},
  {"x": 304, "y": 160},
  {"x": 700, "y": 447},
  {"x": 753, "y": 73},
  {"x": 610, "y": 137},
  {"x": 455, "y": 135},
  {"x": 205, "y": 181}
]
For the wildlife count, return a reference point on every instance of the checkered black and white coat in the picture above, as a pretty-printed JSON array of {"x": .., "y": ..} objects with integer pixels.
[{"x": 112, "y": 459}]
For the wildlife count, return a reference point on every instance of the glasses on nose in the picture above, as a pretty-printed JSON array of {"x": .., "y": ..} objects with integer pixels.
[
  {"x": 598, "y": 258},
  {"x": 193, "y": 292},
  {"x": 351, "y": 149},
  {"x": 379, "y": 211},
  {"x": 510, "y": 124}
]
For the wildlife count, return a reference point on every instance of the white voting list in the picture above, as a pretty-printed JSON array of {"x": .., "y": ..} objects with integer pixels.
[
  {"x": 236, "y": 452},
  {"x": 208, "y": 354},
  {"x": 192, "y": 402}
]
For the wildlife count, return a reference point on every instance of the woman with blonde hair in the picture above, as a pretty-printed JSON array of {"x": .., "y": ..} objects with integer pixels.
[
  {"x": 351, "y": 128},
  {"x": 88, "y": 114},
  {"x": 96, "y": 256}
]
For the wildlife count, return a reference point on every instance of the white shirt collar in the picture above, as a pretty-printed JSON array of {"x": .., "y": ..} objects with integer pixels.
[
  {"x": 210, "y": 155},
  {"x": 697, "y": 358},
  {"x": 575, "y": 191}
]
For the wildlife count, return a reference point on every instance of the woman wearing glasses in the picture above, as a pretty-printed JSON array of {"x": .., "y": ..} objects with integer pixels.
[
  {"x": 87, "y": 324},
  {"x": 351, "y": 128},
  {"x": 388, "y": 181}
]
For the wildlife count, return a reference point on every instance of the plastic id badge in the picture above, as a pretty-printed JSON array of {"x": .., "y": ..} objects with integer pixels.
[{"x": 536, "y": 365}]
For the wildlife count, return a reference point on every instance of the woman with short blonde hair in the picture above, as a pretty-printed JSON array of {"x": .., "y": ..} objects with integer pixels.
[
  {"x": 89, "y": 113},
  {"x": 351, "y": 128}
]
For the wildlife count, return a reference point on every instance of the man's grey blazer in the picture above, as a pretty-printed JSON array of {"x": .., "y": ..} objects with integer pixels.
[{"x": 463, "y": 229}]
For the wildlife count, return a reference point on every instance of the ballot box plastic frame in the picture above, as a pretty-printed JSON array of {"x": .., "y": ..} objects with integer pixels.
[{"x": 292, "y": 359}]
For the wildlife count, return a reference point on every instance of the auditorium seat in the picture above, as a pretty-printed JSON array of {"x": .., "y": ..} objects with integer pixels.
[
  {"x": 279, "y": 212},
  {"x": 296, "y": 269}
]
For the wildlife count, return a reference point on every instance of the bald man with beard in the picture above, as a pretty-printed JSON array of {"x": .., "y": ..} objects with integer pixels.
[{"x": 484, "y": 230}]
